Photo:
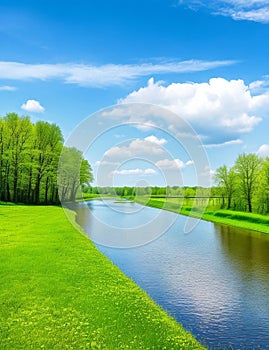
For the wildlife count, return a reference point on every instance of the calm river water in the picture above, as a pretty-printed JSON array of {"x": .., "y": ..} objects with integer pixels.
[{"x": 213, "y": 280}]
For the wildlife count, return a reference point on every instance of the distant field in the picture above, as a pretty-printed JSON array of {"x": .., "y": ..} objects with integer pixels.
[{"x": 57, "y": 291}]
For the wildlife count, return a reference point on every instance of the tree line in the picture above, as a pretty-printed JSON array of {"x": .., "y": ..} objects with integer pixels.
[
  {"x": 153, "y": 191},
  {"x": 29, "y": 159},
  {"x": 245, "y": 185},
  {"x": 242, "y": 187}
]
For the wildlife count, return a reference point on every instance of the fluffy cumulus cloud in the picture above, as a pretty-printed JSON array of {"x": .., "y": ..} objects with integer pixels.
[
  {"x": 149, "y": 171},
  {"x": 218, "y": 108},
  {"x": 248, "y": 10},
  {"x": 150, "y": 150},
  {"x": 154, "y": 139},
  {"x": 126, "y": 159},
  {"x": 136, "y": 148},
  {"x": 32, "y": 106},
  {"x": 172, "y": 164},
  {"x": 263, "y": 151}
]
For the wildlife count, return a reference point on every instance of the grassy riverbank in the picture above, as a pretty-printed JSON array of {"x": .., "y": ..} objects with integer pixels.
[
  {"x": 244, "y": 220},
  {"x": 57, "y": 291}
]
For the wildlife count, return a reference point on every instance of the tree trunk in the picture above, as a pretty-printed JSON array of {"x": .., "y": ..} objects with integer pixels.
[
  {"x": 37, "y": 189},
  {"x": 249, "y": 205},
  {"x": 15, "y": 185},
  {"x": 8, "y": 196},
  {"x": 46, "y": 190},
  {"x": 29, "y": 199},
  {"x": 229, "y": 202}
]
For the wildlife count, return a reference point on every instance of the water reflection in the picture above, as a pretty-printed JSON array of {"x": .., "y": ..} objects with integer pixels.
[
  {"x": 123, "y": 224},
  {"x": 247, "y": 249},
  {"x": 248, "y": 256},
  {"x": 215, "y": 281}
]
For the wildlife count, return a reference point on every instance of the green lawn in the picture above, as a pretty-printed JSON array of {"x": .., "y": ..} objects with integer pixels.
[
  {"x": 245, "y": 220},
  {"x": 57, "y": 291}
]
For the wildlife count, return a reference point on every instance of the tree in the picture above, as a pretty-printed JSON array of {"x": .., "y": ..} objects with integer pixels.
[
  {"x": 29, "y": 156},
  {"x": 48, "y": 145},
  {"x": 15, "y": 147},
  {"x": 2, "y": 162},
  {"x": 226, "y": 179},
  {"x": 73, "y": 171},
  {"x": 263, "y": 192},
  {"x": 247, "y": 167}
]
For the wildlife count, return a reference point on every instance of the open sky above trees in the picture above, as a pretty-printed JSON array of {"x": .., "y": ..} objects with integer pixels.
[{"x": 207, "y": 61}]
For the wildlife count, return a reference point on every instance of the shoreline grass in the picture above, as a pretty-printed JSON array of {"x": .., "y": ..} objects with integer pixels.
[
  {"x": 57, "y": 291},
  {"x": 249, "y": 221}
]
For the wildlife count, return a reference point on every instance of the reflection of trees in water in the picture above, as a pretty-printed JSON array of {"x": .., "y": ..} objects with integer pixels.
[
  {"x": 248, "y": 252},
  {"x": 248, "y": 256}
]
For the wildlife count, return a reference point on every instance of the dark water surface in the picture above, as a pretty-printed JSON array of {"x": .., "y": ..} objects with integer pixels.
[{"x": 214, "y": 280}]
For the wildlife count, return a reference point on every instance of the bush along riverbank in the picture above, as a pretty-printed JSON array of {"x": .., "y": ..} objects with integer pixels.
[
  {"x": 250, "y": 221},
  {"x": 58, "y": 291}
]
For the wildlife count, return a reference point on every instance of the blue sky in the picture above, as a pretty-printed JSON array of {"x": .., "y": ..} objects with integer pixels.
[{"x": 206, "y": 61}]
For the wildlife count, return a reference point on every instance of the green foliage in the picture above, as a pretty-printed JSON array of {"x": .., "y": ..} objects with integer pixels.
[
  {"x": 236, "y": 215},
  {"x": 262, "y": 198},
  {"x": 226, "y": 179},
  {"x": 29, "y": 156},
  {"x": 73, "y": 171},
  {"x": 245, "y": 186},
  {"x": 250, "y": 221},
  {"x": 58, "y": 291},
  {"x": 247, "y": 167}
]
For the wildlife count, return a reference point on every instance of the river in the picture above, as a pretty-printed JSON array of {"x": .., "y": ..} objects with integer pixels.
[{"x": 213, "y": 280}]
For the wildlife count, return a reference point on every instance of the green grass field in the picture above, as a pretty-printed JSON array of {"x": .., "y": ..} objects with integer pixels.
[
  {"x": 57, "y": 291},
  {"x": 245, "y": 220}
]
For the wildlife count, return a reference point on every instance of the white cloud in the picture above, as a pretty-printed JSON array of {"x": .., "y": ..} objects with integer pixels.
[
  {"x": 136, "y": 148},
  {"x": 256, "y": 85},
  {"x": 256, "y": 15},
  {"x": 227, "y": 143},
  {"x": 263, "y": 151},
  {"x": 250, "y": 10},
  {"x": 101, "y": 76},
  {"x": 172, "y": 163},
  {"x": 154, "y": 139},
  {"x": 32, "y": 106},
  {"x": 104, "y": 163},
  {"x": 7, "y": 88},
  {"x": 260, "y": 86},
  {"x": 218, "y": 107},
  {"x": 208, "y": 173},
  {"x": 150, "y": 125},
  {"x": 136, "y": 171},
  {"x": 149, "y": 171}
]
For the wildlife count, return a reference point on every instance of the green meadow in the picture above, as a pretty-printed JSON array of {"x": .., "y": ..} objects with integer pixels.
[
  {"x": 57, "y": 291},
  {"x": 251, "y": 221}
]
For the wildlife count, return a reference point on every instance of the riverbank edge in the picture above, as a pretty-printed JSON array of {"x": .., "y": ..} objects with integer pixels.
[
  {"x": 60, "y": 318},
  {"x": 248, "y": 221}
]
